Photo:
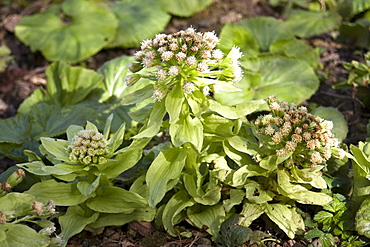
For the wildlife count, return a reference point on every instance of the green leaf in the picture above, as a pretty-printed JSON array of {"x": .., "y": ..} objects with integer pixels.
[
  {"x": 154, "y": 123},
  {"x": 218, "y": 127},
  {"x": 187, "y": 129},
  {"x": 61, "y": 193},
  {"x": 362, "y": 222},
  {"x": 13, "y": 202},
  {"x": 174, "y": 206},
  {"x": 75, "y": 220},
  {"x": 266, "y": 30},
  {"x": 87, "y": 188},
  {"x": 15, "y": 129},
  {"x": 166, "y": 167},
  {"x": 22, "y": 235},
  {"x": 327, "y": 240},
  {"x": 210, "y": 197},
  {"x": 137, "y": 21},
  {"x": 231, "y": 233},
  {"x": 340, "y": 128},
  {"x": 114, "y": 72},
  {"x": 234, "y": 35},
  {"x": 139, "y": 214},
  {"x": 174, "y": 101},
  {"x": 359, "y": 6},
  {"x": 354, "y": 33},
  {"x": 56, "y": 147},
  {"x": 256, "y": 194},
  {"x": 185, "y": 8},
  {"x": 309, "y": 23},
  {"x": 71, "y": 31},
  {"x": 273, "y": 75},
  {"x": 115, "y": 200},
  {"x": 324, "y": 217},
  {"x": 209, "y": 217},
  {"x": 52, "y": 120},
  {"x": 238, "y": 110},
  {"x": 250, "y": 212},
  {"x": 138, "y": 95},
  {"x": 286, "y": 218},
  {"x": 69, "y": 85},
  {"x": 236, "y": 198}
]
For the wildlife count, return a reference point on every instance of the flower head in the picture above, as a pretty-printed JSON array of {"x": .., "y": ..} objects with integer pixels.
[
  {"x": 307, "y": 137},
  {"x": 188, "y": 54},
  {"x": 88, "y": 146}
]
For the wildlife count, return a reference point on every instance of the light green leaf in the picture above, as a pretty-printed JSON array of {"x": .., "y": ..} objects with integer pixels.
[
  {"x": 139, "y": 214},
  {"x": 298, "y": 192},
  {"x": 173, "y": 102},
  {"x": 13, "y": 202},
  {"x": 185, "y": 8},
  {"x": 218, "y": 127},
  {"x": 250, "y": 212},
  {"x": 69, "y": 85},
  {"x": 359, "y": 6},
  {"x": 117, "y": 139},
  {"x": 198, "y": 103},
  {"x": 61, "y": 193},
  {"x": 273, "y": 75},
  {"x": 124, "y": 160},
  {"x": 137, "y": 21},
  {"x": 75, "y": 220},
  {"x": 187, "y": 129},
  {"x": 340, "y": 128},
  {"x": 362, "y": 222},
  {"x": 115, "y": 200},
  {"x": 56, "y": 147},
  {"x": 286, "y": 218},
  {"x": 114, "y": 72},
  {"x": 236, "y": 198},
  {"x": 240, "y": 176},
  {"x": 87, "y": 188},
  {"x": 238, "y": 110},
  {"x": 22, "y": 235},
  {"x": 174, "y": 206},
  {"x": 210, "y": 197},
  {"x": 309, "y": 23},
  {"x": 154, "y": 123},
  {"x": 166, "y": 167},
  {"x": 138, "y": 95},
  {"x": 71, "y": 31},
  {"x": 212, "y": 217},
  {"x": 256, "y": 194},
  {"x": 234, "y": 35},
  {"x": 266, "y": 30}
]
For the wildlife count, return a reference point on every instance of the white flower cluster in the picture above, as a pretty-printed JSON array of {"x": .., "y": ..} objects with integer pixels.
[
  {"x": 293, "y": 131},
  {"x": 186, "y": 57},
  {"x": 88, "y": 147}
]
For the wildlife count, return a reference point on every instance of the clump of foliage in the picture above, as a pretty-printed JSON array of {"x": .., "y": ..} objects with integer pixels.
[{"x": 19, "y": 210}]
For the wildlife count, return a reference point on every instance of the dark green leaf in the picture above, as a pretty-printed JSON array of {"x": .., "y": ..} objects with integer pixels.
[{"x": 231, "y": 233}]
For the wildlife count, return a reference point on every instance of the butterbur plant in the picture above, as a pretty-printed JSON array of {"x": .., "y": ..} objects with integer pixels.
[
  {"x": 24, "y": 209},
  {"x": 185, "y": 69},
  {"x": 87, "y": 164}
]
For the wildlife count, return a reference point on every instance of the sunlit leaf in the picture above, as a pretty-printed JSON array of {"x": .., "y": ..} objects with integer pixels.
[
  {"x": 174, "y": 206},
  {"x": 69, "y": 85},
  {"x": 166, "y": 167},
  {"x": 71, "y": 31},
  {"x": 120, "y": 200},
  {"x": 22, "y": 235},
  {"x": 62, "y": 194},
  {"x": 137, "y": 21},
  {"x": 185, "y": 8},
  {"x": 273, "y": 75},
  {"x": 12, "y": 202},
  {"x": 363, "y": 218},
  {"x": 309, "y": 23},
  {"x": 75, "y": 220},
  {"x": 210, "y": 218}
]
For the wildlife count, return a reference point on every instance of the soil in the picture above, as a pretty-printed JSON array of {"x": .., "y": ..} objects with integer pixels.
[{"x": 26, "y": 70}]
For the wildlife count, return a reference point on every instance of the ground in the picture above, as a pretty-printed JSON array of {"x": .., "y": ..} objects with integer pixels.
[{"x": 26, "y": 72}]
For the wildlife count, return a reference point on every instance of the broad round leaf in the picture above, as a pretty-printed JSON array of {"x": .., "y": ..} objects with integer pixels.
[
  {"x": 137, "y": 21},
  {"x": 266, "y": 30},
  {"x": 71, "y": 31},
  {"x": 308, "y": 23},
  {"x": 185, "y": 8},
  {"x": 288, "y": 79}
]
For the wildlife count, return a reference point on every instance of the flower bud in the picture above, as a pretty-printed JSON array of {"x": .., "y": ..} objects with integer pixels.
[
  {"x": 16, "y": 177},
  {"x": 2, "y": 218},
  {"x": 132, "y": 79},
  {"x": 5, "y": 186},
  {"x": 38, "y": 208},
  {"x": 135, "y": 67}
]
